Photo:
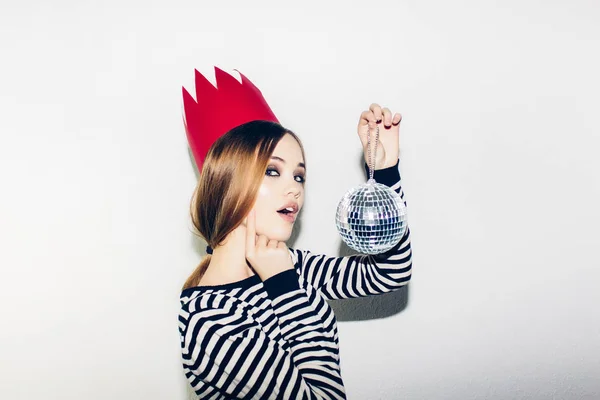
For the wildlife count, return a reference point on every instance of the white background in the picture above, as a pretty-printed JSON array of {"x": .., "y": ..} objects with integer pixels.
[{"x": 499, "y": 159}]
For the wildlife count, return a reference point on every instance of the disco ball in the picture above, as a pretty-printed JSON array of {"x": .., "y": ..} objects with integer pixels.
[{"x": 371, "y": 218}]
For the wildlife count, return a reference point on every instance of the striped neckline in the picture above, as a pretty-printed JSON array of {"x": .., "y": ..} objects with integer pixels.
[{"x": 243, "y": 284}]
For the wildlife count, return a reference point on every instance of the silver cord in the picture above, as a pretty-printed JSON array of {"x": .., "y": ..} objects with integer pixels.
[{"x": 372, "y": 161}]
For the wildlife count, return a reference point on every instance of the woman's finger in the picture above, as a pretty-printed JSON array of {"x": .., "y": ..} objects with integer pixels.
[
  {"x": 262, "y": 241},
  {"x": 387, "y": 117},
  {"x": 250, "y": 233},
  {"x": 376, "y": 109},
  {"x": 367, "y": 118},
  {"x": 272, "y": 244},
  {"x": 397, "y": 119}
]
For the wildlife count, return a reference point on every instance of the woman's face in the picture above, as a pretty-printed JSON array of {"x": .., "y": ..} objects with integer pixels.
[{"x": 282, "y": 186}]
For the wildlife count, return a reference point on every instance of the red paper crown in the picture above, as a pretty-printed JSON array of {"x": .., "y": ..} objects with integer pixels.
[{"x": 219, "y": 109}]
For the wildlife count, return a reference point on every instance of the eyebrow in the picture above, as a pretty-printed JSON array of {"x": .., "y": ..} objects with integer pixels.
[{"x": 283, "y": 161}]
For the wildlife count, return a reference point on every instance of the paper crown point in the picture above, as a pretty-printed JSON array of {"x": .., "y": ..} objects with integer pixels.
[{"x": 218, "y": 109}]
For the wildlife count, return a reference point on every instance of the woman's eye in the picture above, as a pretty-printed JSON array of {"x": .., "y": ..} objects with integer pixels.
[
  {"x": 274, "y": 172},
  {"x": 269, "y": 170}
]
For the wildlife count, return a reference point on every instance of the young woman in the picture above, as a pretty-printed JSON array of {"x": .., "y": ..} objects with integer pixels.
[{"x": 254, "y": 321}]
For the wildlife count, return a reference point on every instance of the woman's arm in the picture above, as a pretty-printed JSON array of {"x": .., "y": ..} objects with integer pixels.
[
  {"x": 360, "y": 275},
  {"x": 221, "y": 354}
]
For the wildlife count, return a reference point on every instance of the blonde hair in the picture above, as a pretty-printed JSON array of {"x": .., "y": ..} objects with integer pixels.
[{"x": 231, "y": 175}]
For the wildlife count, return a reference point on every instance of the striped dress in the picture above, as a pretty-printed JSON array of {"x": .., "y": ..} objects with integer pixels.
[{"x": 278, "y": 339}]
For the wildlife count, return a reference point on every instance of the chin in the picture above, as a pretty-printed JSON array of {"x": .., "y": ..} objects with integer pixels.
[{"x": 281, "y": 234}]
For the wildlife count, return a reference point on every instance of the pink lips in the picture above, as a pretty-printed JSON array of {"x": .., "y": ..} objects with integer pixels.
[
  {"x": 289, "y": 216},
  {"x": 290, "y": 204}
]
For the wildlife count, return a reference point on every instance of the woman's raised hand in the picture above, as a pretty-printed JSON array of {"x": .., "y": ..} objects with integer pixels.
[
  {"x": 388, "y": 148},
  {"x": 267, "y": 257}
]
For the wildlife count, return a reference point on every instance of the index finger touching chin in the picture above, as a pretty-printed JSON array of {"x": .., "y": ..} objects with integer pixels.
[{"x": 251, "y": 229}]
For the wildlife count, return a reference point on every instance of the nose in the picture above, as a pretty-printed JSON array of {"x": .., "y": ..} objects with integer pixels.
[{"x": 295, "y": 190}]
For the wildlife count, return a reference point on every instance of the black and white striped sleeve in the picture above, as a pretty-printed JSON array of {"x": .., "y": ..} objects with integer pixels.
[
  {"x": 226, "y": 349},
  {"x": 360, "y": 275}
]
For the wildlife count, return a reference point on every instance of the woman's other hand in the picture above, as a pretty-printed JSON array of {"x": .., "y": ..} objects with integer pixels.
[{"x": 267, "y": 257}]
